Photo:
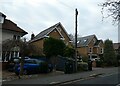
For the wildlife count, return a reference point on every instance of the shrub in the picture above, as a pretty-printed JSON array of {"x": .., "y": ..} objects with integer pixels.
[
  {"x": 85, "y": 59},
  {"x": 109, "y": 55},
  {"x": 82, "y": 66},
  {"x": 44, "y": 67},
  {"x": 98, "y": 63}
]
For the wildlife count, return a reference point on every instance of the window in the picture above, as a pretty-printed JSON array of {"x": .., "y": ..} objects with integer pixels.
[
  {"x": 78, "y": 41},
  {"x": 62, "y": 38},
  {"x": 85, "y": 40},
  {"x": 94, "y": 41},
  {"x": 101, "y": 50},
  {"x": 67, "y": 43},
  {"x": 90, "y": 50},
  {"x": 1, "y": 19},
  {"x": 59, "y": 29},
  {"x": 14, "y": 37},
  {"x": 18, "y": 37}
]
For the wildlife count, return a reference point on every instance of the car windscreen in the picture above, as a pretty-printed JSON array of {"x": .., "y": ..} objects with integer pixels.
[
  {"x": 30, "y": 61},
  {"x": 39, "y": 61}
]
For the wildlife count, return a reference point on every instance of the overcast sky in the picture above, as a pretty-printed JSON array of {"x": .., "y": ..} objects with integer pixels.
[{"x": 35, "y": 16}]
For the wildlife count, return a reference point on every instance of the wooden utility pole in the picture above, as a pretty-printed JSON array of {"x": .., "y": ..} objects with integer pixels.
[
  {"x": 76, "y": 13},
  {"x": 118, "y": 21}
]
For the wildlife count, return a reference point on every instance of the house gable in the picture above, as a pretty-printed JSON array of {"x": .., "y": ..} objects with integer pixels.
[
  {"x": 55, "y": 34},
  {"x": 63, "y": 31},
  {"x": 11, "y": 26},
  {"x": 116, "y": 46},
  {"x": 85, "y": 41},
  {"x": 55, "y": 31},
  {"x": 90, "y": 46}
]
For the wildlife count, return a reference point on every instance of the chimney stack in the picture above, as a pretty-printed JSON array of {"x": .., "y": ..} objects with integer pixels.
[{"x": 32, "y": 36}]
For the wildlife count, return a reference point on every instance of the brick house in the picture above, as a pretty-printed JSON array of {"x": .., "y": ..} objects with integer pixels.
[
  {"x": 56, "y": 31},
  {"x": 116, "y": 47},
  {"x": 9, "y": 31},
  {"x": 90, "y": 46}
]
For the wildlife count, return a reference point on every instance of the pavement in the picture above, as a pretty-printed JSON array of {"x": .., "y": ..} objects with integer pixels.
[
  {"x": 10, "y": 76},
  {"x": 59, "y": 78}
]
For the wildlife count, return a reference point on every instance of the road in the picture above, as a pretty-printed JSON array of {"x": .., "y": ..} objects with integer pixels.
[
  {"x": 112, "y": 79},
  {"x": 88, "y": 77}
]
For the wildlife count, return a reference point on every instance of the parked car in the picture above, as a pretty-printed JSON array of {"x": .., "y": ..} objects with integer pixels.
[
  {"x": 34, "y": 66},
  {"x": 14, "y": 61}
]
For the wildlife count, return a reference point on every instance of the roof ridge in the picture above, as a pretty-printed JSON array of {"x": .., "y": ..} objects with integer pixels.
[
  {"x": 83, "y": 42},
  {"x": 86, "y": 36},
  {"x": 44, "y": 32},
  {"x": 10, "y": 25},
  {"x": 47, "y": 29}
]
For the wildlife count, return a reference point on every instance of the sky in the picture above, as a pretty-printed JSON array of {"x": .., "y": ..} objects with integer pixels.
[{"x": 35, "y": 16}]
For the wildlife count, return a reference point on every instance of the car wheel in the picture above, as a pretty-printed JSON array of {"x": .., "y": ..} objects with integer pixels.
[
  {"x": 25, "y": 72},
  {"x": 48, "y": 70}
]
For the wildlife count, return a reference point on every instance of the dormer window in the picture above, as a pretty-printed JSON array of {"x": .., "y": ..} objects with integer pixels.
[
  {"x": 78, "y": 42},
  {"x": 85, "y": 40},
  {"x": 1, "y": 19},
  {"x": 46, "y": 36}
]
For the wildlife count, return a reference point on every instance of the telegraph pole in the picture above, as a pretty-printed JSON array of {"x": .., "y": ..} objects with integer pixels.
[
  {"x": 118, "y": 21},
  {"x": 76, "y": 14}
]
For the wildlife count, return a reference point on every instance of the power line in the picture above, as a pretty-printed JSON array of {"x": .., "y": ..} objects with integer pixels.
[{"x": 66, "y": 5}]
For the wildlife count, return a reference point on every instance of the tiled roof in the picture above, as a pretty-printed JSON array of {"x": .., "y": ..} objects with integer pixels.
[
  {"x": 2, "y": 15},
  {"x": 97, "y": 43},
  {"x": 84, "y": 41},
  {"x": 46, "y": 32},
  {"x": 9, "y": 25}
]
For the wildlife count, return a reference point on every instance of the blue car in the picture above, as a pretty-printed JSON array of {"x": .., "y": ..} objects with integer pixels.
[{"x": 34, "y": 66}]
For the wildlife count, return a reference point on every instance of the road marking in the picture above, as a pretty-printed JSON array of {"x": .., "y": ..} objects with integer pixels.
[
  {"x": 4, "y": 80},
  {"x": 86, "y": 78},
  {"x": 95, "y": 75},
  {"x": 107, "y": 75},
  {"x": 53, "y": 82},
  {"x": 118, "y": 85},
  {"x": 81, "y": 79}
]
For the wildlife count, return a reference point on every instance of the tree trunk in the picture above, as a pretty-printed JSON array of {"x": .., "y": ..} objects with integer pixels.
[
  {"x": 54, "y": 62},
  {"x": 21, "y": 66}
]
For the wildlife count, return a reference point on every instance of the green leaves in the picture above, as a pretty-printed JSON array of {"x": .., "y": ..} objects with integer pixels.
[
  {"x": 69, "y": 52},
  {"x": 109, "y": 56},
  {"x": 53, "y": 47}
]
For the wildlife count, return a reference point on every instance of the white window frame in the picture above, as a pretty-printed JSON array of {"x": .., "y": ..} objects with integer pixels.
[
  {"x": 1, "y": 19},
  {"x": 90, "y": 49},
  {"x": 101, "y": 50}
]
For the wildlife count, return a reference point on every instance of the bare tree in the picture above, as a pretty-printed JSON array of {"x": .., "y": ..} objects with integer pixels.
[
  {"x": 26, "y": 49},
  {"x": 113, "y": 10}
]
